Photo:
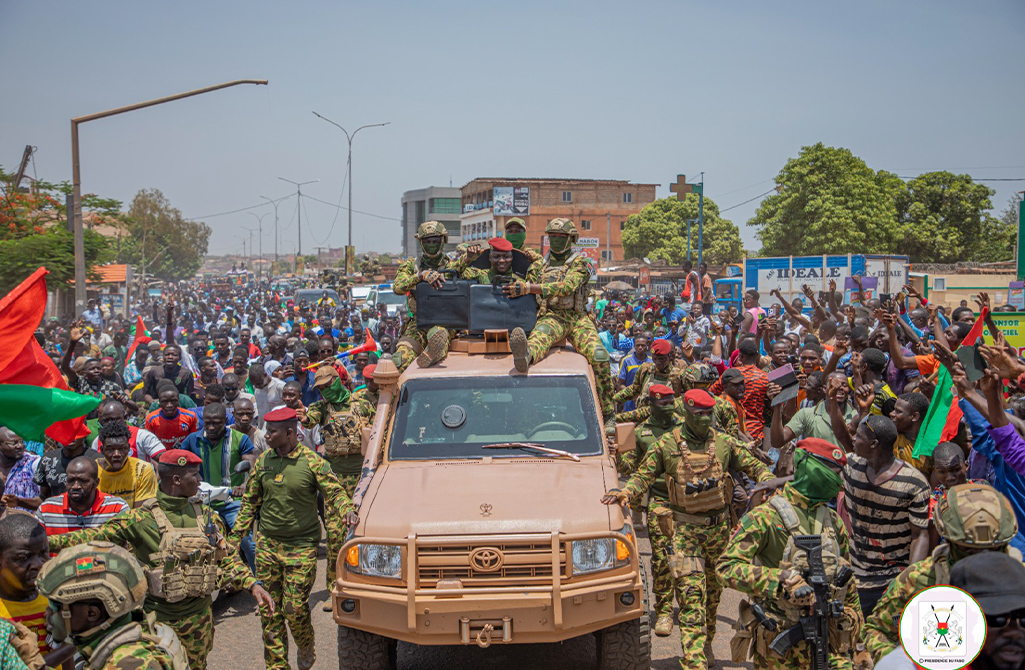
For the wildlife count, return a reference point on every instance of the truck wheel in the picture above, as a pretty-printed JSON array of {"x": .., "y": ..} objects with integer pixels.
[
  {"x": 365, "y": 651},
  {"x": 627, "y": 646}
]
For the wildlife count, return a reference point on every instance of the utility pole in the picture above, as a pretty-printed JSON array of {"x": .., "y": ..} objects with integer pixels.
[
  {"x": 701, "y": 218},
  {"x": 608, "y": 240},
  {"x": 299, "y": 207},
  {"x": 259, "y": 217},
  {"x": 275, "y": 203},
  {"x": 349, "y": 137},
  {"x": 76, "y": 173}
]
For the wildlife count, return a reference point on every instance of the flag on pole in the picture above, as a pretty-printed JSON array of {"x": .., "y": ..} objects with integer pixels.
[{"x": 139, "y": 335}]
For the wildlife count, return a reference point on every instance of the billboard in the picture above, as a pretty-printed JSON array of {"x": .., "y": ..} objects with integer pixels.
[
  {"x": 512, "y": 201},
  {"x": 1012, "y": 325},
  {"x": 589, "y": 247}
]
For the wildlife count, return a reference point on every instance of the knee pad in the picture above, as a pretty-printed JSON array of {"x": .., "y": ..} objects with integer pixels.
[
  {"x": 682, "y": 566},
  {"x": 544, "y": 329},
  {"x": 409, "y": 343}
]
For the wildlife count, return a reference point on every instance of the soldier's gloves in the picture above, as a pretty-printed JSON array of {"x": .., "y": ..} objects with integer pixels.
[
  {"x": 616, "y": 497},
  {"x": 863, "y": 660},
  {"x": 432, "y": 277},
  {"x": 516, "y": 288},
  {"x": 798, "y": 592}
]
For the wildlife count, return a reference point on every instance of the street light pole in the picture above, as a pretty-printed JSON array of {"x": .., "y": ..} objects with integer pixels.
[
  {"x": 349, "y": 170},
  {"x": 76, "y": 177},
  {"x": 299, "y": 208},
  {"x": 259, "y": 217},
  {"x": 275, "y": 203}
]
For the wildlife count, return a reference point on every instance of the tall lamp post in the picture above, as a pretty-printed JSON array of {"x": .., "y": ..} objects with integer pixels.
[
  {"x": 299, "y": 207},
  {"x": 259, "y": 217},
  {"x": 76, "y": 177},
  {"x": 275, "y": 203},
  {"x": 349, "y": 170}
]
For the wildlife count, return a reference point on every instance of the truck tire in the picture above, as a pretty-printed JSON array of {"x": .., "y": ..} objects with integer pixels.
[
  {"x": 627, "y": 646},
  {"x": 358, "y": 650}
]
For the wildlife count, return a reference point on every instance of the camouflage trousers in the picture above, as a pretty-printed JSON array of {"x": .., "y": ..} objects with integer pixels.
[
  {"x": 288, "y": 572},
  {"x": 406, "y": 352},
  {"x": 698, "y": 549},
  {"x": 580, "y": 331},
  {"x": 799, "y": 658},
  {"x": 663, "y": 587},
  {"x": 196, "y": 633},
  {"x": 334, "y": 546}
]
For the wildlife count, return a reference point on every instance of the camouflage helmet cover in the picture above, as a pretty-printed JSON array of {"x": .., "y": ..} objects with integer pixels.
[
  {"x": 429, "y": 228},
  {"x": 699, "y": 373},
  {"x": 976, "y": 516},
  {"x": 564, "y": 226},
  {"x": 95, "y": 571}
]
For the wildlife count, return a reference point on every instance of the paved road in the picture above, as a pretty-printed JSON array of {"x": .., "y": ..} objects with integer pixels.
[{"x": 238, "y": 644}]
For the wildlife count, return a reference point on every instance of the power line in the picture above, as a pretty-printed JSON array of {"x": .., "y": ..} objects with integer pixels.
[
  {"x": 772, "y": 190},
  {"x": 977, "y": 179},
  {"x": 236, "y": 211},
  {"x": 331, "y": 204},
  {"x": 764, "y": 181}
]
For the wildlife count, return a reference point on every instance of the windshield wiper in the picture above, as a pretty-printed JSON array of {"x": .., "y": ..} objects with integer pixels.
[{"x": 535, "y": 447}]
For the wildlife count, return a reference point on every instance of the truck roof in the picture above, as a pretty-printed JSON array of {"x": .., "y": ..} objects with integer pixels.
[{"x": 561, "y": 360}]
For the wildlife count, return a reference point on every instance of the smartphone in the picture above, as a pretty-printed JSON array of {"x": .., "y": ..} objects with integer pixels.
[{"x": 885, "y": 299}]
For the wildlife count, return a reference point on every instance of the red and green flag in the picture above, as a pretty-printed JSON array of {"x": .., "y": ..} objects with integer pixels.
[
  {"x": 139, "y": 335},
  {"x": 32, "y": 389},
  {"x": 944, "y": 415}
]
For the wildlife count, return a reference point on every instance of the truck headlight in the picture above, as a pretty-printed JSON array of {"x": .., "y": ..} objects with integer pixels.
[
  {"x": 593, "y": 555},
  {"x": 375, "y": 560}
]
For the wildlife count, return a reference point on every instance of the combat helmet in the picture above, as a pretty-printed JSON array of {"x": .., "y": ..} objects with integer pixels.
[
  {"x": 429, "y": 228},
  {"x": 699, "y": 375},
  {"x": 94, "y": 571},
  {"x": 975, "y": 516},
  {"x": 564, "y": 226}
]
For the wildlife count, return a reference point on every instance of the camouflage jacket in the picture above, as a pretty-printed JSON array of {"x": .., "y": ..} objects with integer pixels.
[
  {"x": 726, "y": 418},
  {"x": 645, "y": 377},
  {"x": 577, "y": 276},
  {"x": 408, "y": 275},
  {"x": 479, "y": 276},
  {"x": 646, "y": 435},
  {"x": 364, "y": 404},
  {"x": 141, "y": 655},
  {"x": 137, "y": 530},
  {"x": 340, "y": 426},
  {"x": 663, "y": 458},
  {"x": 750, "y": 561},
  {"x": 881, "y": 628}
]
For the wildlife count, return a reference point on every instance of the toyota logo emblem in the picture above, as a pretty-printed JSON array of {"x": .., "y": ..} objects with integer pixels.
[{"x": 486, "y": 559}]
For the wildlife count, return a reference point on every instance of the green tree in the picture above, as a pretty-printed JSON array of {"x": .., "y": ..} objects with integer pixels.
[
  {"x": 659, "y": 231},
  {"x": 943, "y": 217},
  {"x": 172, "y": 246},
  {"x": 998, "y": 236},
  {"x": 828, "y": 201},
  {"x": 54, "y": 250}
]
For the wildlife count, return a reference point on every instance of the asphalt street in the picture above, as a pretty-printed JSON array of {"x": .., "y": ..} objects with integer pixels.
[{"x": 238, "y": 643}]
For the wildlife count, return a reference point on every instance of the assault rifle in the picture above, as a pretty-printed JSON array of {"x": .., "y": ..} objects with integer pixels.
[{"x": 814, "y": 627}]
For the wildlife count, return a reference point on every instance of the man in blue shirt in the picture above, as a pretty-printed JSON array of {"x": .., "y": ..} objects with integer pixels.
[
  {"x": 94, "y": 315},
  {"x": 628, "y": 368},
  {"x": 301, "y": 363}
]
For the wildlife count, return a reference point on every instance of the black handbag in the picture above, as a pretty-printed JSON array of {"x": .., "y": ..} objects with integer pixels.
[{"x": 491, "y": 309}]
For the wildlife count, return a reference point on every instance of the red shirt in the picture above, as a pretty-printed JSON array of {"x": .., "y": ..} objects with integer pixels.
[
  {"x": 59, "y": 518},
  {"x": 172, "y": 431},
  {"x": 756, "y": 381}
]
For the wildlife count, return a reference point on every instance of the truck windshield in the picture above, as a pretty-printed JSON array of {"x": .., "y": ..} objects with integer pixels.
[{"x": 456, "y": 418}]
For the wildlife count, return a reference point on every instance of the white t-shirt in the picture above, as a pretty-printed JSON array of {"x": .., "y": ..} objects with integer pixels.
[
  {"x": 148, "y": 445},
  {"x": 267, "y": 398}
]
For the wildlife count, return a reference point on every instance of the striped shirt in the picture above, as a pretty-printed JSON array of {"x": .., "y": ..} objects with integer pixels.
[
  {"x": 882, "y": 517},
  {"x": 59, "y": 518},
  {"x": 756, "y": 381}
]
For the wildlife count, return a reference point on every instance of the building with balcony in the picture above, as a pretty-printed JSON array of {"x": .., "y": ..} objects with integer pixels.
[
  {"x": 434, "y": 203},
  {"x": 598, "y": 207}
]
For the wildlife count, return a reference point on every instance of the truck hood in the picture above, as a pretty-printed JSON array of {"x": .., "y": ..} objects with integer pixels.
[{"x": 477, "y": 497}]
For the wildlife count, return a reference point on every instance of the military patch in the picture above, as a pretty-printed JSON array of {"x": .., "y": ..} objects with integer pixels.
[
  {"x": 279, "y": 478},
  {"x": 182, "y": 461},
  {"x": 89, "y": 564}
]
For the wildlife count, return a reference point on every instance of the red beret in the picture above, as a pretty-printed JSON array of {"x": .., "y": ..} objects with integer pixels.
[
  {"x": 368, "y": 372},
  {"x": 824, "y": 449},
  {"x": 659, "y": 391},
  {"x": 500, "y": 244},
  {"x": 280, "y": 414},
  {"x": 661, "y": 347},
  {"x": 699, "y": 399},
  {"x": 179, "y": 457}
]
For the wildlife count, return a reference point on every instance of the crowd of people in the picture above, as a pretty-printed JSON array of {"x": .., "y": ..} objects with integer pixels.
[{"x": 807, "y": 417}]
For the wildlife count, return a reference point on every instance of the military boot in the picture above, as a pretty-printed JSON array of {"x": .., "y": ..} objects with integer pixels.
[
  {"x": 664, "y": 624},
  {"x": 518, "y": 346},
  {"x": 306, "y": 657},
  {"x": 709, "y": 655},
  {"x": 434, "y": 352}
]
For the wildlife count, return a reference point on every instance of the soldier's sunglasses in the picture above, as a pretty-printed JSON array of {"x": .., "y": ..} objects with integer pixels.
[{"x": 1002, "y": 620}]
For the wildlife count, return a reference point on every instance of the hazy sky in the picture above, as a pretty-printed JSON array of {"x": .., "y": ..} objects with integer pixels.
[{"x": 639, "y": 91}]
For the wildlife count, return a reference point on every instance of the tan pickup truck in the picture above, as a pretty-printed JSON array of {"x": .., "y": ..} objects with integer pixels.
[{"x": 480, "y": 516}]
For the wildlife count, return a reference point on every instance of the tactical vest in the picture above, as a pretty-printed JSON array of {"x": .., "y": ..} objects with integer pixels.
[
  {"x": 941, "y": 563},
  {"x": 341, "y": 433},
  {"x": 187, "y": 561},
  {"x": 577, "y": 301},
  {"x": 843, "y": 631},
  {"x": 703, "y": 473},
  {"x": 158, "y": 634}
]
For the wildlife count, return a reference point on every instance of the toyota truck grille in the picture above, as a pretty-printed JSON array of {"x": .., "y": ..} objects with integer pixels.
[{"x": 513, "y": 563}]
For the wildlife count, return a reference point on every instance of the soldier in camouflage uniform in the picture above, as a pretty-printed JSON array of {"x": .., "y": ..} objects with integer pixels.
[
  {"x": 283, "y": 489},
  {"x": 191, "y": 616},
  {"x": 973, "y": 517},
  {"x": 659, "y": 370},
  {"x": 364, "y": 399},
  {"x": 516, "y": 233},
  {"x": 431, "y": 346},
  {"x": 761, "y": 561},
  {"x": 501, "y": 257},
  {"x": 693, "y": 459},
  {"x": 696, "y": 376},
  {"x": 104, "y": 585},
  {"x": 341, "y": 429},
  {"x": 561, "y": 281},
  {"x": 662, "y": 420}
]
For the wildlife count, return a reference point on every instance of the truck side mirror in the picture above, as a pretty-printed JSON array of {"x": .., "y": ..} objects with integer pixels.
[{"x": 626, "y": 440}]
